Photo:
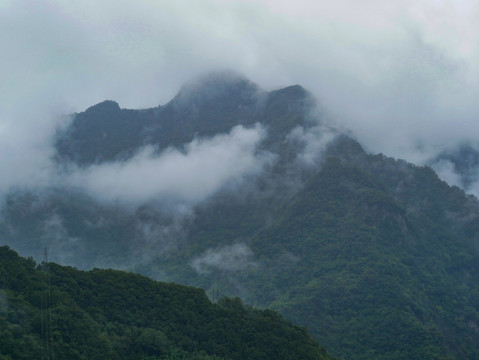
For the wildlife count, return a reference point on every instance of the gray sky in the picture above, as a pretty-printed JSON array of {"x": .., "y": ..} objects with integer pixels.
[{"x": 402, "y": 75}]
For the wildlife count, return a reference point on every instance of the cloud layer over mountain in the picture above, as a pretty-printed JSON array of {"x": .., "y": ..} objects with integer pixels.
[
  {"x": 401, "y": 76},
  {"x": 181, "y": 177}
]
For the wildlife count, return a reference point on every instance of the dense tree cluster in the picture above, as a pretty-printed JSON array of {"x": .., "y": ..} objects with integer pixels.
[{"x": 107, "y": 314}]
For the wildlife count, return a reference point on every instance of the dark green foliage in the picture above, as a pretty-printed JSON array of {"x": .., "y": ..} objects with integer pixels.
[
  {"x": 107, "y": 314},
  {"x": 377, "y": 257},
  {"x": 380, "y": 268}
]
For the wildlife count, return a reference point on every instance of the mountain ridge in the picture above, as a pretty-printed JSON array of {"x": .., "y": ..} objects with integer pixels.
[{"x": 119, "y": 133}]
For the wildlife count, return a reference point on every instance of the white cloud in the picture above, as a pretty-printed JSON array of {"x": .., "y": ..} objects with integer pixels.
[
  {"x": 230, "y": 258},
  {"x": 402, "y": 75},
  {"x": 313, "y": 141},
  {"x": 445, "y": 170},
  {"x": 174, "y": 176}
]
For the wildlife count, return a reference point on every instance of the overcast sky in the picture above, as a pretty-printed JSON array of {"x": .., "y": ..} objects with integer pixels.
[{"x": 402, "y": 75}]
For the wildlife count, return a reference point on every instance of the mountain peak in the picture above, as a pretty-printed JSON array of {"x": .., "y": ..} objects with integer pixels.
[
  {"x": 217, "y": 86},
  {"x": 104, "y": 106},
  {"x": 297, "y": 90}
]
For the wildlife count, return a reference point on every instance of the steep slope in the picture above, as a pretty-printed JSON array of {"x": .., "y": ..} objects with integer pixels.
[
  {"x": 377, "y": 257},
  {"x": 375, "y": 275},
  {"x": 106, "y": 314}
]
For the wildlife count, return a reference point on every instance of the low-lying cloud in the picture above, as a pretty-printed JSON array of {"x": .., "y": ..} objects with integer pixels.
[
  {"x": 156, "y": 236},
  {"x": 402, "y": 75},
  {"x": 468, "y": 179},
  {"x": 445, "y": 170},
  {"x": 313, "y": 142},
  {"x": 55, "y": 236},
  {"x": 178, "y": 177},
  {"x": 228, "y": 258}
]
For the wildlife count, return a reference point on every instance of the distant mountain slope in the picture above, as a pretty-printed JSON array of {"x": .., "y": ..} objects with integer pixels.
[
  {"x": 106, "y": 314},
  {"x": 383, "y": 263}
]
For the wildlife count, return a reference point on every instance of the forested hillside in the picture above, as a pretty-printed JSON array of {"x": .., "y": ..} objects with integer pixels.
[
  {"x": 50, "y": 311},
  {"x": 377, "y": 257}
]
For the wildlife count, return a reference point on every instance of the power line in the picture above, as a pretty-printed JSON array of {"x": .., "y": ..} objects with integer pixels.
[{"x": 46, "y": 311}]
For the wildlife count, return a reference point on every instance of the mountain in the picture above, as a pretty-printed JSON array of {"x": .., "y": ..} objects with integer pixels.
[
  {"x": 377, "y": 257},
  {"x": 52, "y": 311},
  {"x": 207, "y": 107},
  {"x": 385, "y": 254},
  {"x": 86, "y": 232}
]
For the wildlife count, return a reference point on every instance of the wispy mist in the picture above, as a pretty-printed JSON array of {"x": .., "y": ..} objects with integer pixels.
[
  {"x": 313, "y": 142},
  {"x": 55, "y": 236},
  {"x": 402, "y": 76},
  {"x": 158, "y": 234},
  {"x": 174, "y": 176},
  {"x": 228, "y": 258}
]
